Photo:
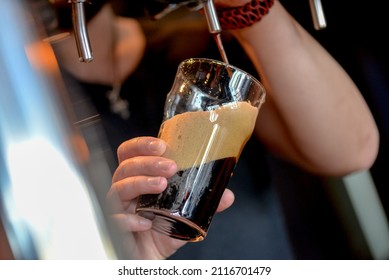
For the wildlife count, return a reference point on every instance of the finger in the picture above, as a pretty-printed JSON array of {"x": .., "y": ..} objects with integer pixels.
[
  {"x": 226, "y": 201},
  {"x": 145, "y": 166},
  {"x": 132, "y": 187},
  {"x": 132, "y": 222},
  {"x": 141, "y": 146}
]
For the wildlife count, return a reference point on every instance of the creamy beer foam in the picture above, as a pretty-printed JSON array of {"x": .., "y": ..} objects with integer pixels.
[{"x": 194, "y": 138}]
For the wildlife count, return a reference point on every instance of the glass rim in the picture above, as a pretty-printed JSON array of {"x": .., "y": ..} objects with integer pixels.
[{"x": 228, "y": 65}]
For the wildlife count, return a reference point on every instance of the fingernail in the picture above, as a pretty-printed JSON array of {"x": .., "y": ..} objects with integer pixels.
[
  {"x": 154, "y": 181},
  {"x": 165, "y": 165},
  {"x": 145, "y": 222},
  {"x": 156, "y": 146}
]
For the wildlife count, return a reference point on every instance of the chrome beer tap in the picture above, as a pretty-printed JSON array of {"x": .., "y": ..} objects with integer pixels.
[
  {"x": 319, "y": 21},
  {"x": 80, "y": 30},
  {"x": 159, "y": 8},
  {"x": 211, "y": 16}
]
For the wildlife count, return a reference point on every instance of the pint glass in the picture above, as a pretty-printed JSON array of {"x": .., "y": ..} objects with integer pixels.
[{"x": 209, "y": 115}]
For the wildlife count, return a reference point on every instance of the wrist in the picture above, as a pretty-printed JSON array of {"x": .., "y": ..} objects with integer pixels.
[{"x": 243, "y": 16}]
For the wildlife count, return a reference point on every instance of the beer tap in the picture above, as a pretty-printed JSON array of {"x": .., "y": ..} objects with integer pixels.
[
  {"x": 214, "y": 26},
  {"x": 319, "y": 21},
  {"x": 158, "y": 9},
  {"x": 80, "y": 30},
  {"x": 211, "y": 16}
]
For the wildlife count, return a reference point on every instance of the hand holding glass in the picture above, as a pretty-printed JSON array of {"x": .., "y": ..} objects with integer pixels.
[{"x": 210, "y": 114}]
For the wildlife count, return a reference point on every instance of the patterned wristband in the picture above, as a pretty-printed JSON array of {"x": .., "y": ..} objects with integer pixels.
[{"x": 243, "y": 16}]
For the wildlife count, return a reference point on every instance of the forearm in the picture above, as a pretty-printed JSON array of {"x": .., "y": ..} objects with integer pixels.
[{"x": 314, "y": 114}]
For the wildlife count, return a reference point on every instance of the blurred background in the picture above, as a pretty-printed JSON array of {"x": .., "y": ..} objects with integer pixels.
[{"x": 280, "y": 212}]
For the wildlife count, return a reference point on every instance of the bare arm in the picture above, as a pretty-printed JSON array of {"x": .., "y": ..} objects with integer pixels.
[{"x": 314, "y": 114}]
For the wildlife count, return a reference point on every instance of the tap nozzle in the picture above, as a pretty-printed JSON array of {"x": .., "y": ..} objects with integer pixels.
[
  {"x": 211, "y": 16},
  {"x": 80, "y": 30},
  {"x": 319, "y": 21}
]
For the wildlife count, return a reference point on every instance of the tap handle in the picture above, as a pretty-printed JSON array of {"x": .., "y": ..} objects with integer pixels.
[{"x": 80, "y": 31}]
